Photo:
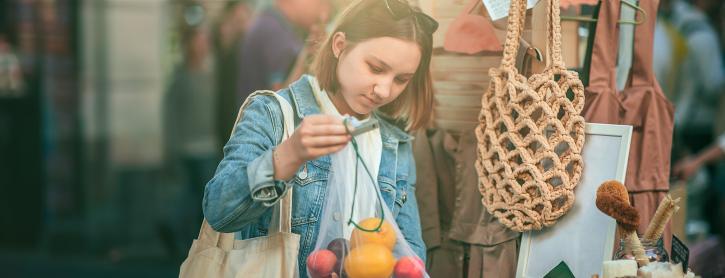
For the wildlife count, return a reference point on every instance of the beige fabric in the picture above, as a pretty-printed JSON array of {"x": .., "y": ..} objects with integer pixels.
[
  {"x": 493, "y": 261},
  {"x": 461, "y": 236},
  {"x": 446, "y": 259},
  {"x": 216, "y": 254},
  {"x": 531, "y": 134},
  {"x": 453, "y": 259},
  {"x": 447, "y": 191}
]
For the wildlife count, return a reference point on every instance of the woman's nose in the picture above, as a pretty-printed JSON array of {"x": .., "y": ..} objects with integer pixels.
[{"x": 382, "y": 89}]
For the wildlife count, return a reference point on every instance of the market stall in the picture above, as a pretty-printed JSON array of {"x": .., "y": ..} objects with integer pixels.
[{"x": 510, "y": 120}]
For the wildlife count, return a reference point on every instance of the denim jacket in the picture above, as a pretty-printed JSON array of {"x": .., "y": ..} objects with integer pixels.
[{"x": 240, "y": 196}]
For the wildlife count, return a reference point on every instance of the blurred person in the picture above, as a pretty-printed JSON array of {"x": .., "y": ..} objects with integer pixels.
[
  {"x": 700, "y": 85},
  {"x": 670, "y": 49},
  {"x": 707, "y": 257},
  {"x": 191, "y": 150},
  {"x": 689, "y": 166},
  {"x": 315, "y": 37},
  {"x": 11, "y": 79},
  {"x": 374, "y": 64},
  {"x": 719, "y": 20},
  {"x": 229, "y": 32},
  {"x": 706, "y": 201},
  {"x": 274, "y": 41}
]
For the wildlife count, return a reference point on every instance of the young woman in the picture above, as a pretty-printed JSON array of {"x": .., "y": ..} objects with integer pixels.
[{"x": 374, "y": 64}]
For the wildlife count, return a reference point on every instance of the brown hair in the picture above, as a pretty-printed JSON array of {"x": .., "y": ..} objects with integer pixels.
[{"x": 368, "y": 19}]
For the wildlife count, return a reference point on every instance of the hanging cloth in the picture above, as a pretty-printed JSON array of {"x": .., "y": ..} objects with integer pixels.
[
  {"x": 640, "y": 104},
  {"x": 471, "y": 32}
]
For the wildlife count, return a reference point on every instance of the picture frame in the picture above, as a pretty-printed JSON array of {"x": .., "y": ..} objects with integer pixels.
[{"x": 584, "y": 237}]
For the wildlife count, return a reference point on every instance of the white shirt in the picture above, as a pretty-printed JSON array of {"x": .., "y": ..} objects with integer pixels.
[{"x": 370, "y": 146}]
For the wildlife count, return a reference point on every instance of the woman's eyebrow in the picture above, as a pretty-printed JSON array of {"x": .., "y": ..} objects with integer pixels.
[
  {"x": 378, "y": 60},
  {"x": 385, "y": 65}
]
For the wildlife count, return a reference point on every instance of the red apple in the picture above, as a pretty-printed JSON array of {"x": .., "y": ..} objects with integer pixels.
[
  {"x": 409, "y": 267},
  {"x": 321, "y": 263}
]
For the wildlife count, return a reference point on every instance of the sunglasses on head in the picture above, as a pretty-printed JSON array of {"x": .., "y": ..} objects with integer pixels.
[{"x": 400, "y": 10}]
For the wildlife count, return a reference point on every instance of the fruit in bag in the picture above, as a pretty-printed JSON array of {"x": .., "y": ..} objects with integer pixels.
[
  {"x": 321, "y": 263},
  {"x": 370, "y": 261},
  {"x": 409, "y": 267},
  {"x": 385, "y": 237},
  {"x": 341, "y": 248}
]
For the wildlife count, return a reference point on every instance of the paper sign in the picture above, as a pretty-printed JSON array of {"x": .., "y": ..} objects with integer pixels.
[{"x": 498, "y": 9}]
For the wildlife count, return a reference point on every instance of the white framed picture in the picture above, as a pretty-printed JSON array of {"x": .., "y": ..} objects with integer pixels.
[{"x": 584, "y": 237}]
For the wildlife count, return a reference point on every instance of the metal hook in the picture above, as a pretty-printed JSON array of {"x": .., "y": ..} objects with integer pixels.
[{"x": 642, "y": 12}]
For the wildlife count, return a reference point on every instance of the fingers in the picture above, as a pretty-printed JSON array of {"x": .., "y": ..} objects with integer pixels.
[
  {"x": 312, "y": 153},
  {"x": 320, "y": 135},
  {"x": 319, "y": 125},
  {"x": 329, "y": 150},
  {"x": 322, "y": 119},
  {"x": 325, "y": 141},
  {"x": 327, "y": 129}
]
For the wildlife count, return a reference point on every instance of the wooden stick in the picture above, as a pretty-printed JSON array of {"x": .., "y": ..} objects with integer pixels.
[{"x": 662, "y": 216}]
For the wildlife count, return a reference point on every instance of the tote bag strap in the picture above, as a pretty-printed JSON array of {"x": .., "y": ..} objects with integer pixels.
[
  {"x": 279, "y": 223},
  {"x": 516, "y": 21},
  {"x": 553, "y": 47},
  {"x": 282, "y": 216}
]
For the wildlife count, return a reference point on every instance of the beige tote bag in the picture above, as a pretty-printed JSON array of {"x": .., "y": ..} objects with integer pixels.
[
  {"x": 531, "y": 134},
  {"x": 216, "y": 254}
]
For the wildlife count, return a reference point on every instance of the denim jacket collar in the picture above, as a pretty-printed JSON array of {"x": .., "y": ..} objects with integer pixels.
[{"x": 306, "y": 105}]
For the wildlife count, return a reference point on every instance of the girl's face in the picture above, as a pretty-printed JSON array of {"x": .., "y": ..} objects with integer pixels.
[{"x": 372, "y": 73}]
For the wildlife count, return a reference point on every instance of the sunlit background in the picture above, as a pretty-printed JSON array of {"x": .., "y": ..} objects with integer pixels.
[{"x": 93, "y": 181}]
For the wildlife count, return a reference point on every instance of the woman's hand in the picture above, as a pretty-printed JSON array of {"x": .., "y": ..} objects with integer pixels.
[{"x": 316, "y": 136}]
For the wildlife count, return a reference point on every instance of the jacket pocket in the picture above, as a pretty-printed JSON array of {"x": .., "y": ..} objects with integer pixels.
[
  {"x": 395, "y": 193},
  {"x": 312, "y": 171}
]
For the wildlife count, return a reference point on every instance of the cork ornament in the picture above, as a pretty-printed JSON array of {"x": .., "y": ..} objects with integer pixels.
[{"x": 613, "y": 200}]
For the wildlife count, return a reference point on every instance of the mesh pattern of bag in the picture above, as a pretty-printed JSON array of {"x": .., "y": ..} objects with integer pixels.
[{"x": 530, "y": 134}]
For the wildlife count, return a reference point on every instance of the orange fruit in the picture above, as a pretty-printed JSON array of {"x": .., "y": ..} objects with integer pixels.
[
  {"x": 370, "y": 261},
  {"x": 385, "y": 237}
]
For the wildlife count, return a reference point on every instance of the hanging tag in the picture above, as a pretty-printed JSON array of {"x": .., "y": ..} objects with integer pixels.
[{"x": 499, "y": 9}]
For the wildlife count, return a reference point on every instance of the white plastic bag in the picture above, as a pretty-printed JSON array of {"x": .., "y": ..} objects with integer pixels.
[{"x": 358, "y": 236}]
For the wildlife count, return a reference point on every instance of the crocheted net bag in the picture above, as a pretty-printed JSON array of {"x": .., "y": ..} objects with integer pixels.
[{"x": 530, "y": 134}]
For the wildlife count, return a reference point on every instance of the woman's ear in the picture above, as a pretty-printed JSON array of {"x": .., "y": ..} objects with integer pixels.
[{"x": 338, "y": 44}]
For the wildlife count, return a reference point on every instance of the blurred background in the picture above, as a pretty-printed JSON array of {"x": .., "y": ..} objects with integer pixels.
[
  {"x": 113, "y": 114},
  {"x": 89, "y": 186}
]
